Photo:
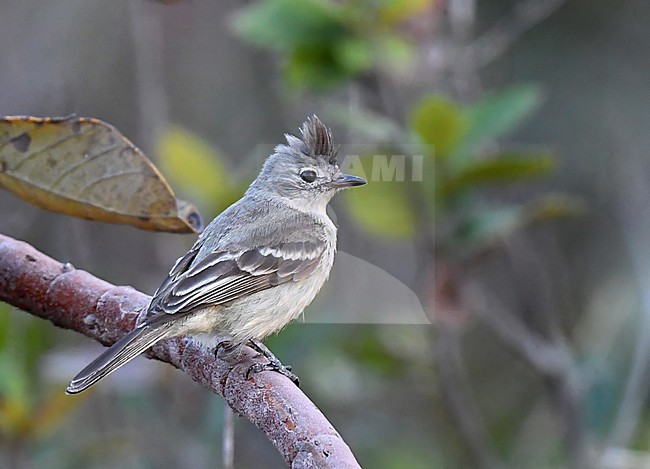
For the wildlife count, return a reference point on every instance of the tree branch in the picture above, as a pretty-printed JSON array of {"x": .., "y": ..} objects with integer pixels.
[
  {"x": 76, "y": 300},
  {"x": 496, "y": 41}
]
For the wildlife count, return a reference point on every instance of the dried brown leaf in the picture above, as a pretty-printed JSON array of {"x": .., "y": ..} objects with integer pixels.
[{"x": 86, "y": 168}]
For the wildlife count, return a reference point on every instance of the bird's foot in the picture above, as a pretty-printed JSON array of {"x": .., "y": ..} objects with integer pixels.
[
  {"x": 225, "y": 347},
  {"x": 273, "y": 363}
]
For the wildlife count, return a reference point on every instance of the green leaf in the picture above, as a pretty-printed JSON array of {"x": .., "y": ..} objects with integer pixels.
[
  {"x": 393, "y": 12},
  {"x": 506, "y": 167},
  {"x": 499, "y": 113},
  {"x": 395, "y": 55},
  {"x": 555, "y": 206},
  {"x": 315, "y": 67},
  {"x": 489, "y": 225},
  {"x": 438, "y": 122},
  {"x": 368, "y": 350},
  {"x": 381, "y": 207},
  {"x": 15, "y": 383},
  {"x": 354, "y": 55},
  {"x": 37, "y": 341},
  {"x": 287, "y": 23},
  {"x": 194, "y": 167}
]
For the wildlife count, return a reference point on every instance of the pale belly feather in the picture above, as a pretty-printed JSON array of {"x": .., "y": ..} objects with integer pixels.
[{"x": 260, "y": 314}]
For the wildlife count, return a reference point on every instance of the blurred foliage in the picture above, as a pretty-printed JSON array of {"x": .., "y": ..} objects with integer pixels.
[
  {"x": 379, "y": 208},
  {"x": 455, "y": 149},
  {"x": 455, "y": 140},
  {"x": 456, "y": 137},
  {"x": 485, "y": 227},
  {"x": 324, "y": 43},
  {"x": 27, "y": 409},
  {"x": 438, "y": 122},
  {"x": 500, "y": 168},
  {"x": 499, "y": 113},
  {"x": 86, "y": 168},
  {"x": 197, "y": 169}
]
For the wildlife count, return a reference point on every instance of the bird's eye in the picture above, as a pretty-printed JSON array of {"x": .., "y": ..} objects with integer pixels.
[{"x": 308, "y": 175}]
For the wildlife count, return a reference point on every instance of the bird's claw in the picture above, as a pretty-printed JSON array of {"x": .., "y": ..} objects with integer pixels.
[
  {"x": 273, "y": 364},
  {"x": 224, "y": 345}
]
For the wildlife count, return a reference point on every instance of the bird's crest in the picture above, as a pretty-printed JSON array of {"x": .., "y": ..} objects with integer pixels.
[{"x": 316, "y": 140}]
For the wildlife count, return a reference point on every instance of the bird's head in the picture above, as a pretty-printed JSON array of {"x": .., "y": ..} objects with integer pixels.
[{"x": 305, "y": 170}]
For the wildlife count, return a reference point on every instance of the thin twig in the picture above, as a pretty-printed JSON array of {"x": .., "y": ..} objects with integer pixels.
[
  {"x": 535, "y": 349},
  {"x": 148, "y": 40},
  {"x": 552, "y": 360},
  {"x": 228, "y": 439},
  {"x": 460, "y": 401},
  {"x": 500, "y": 37},
  {"x": 634, "y": 223}
]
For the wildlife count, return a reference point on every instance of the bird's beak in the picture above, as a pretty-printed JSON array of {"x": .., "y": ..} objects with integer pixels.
[{"x": 347, "y": 180}]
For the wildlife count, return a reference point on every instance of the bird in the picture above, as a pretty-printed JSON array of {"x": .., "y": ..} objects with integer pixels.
[{"x": 255, "y": 267}]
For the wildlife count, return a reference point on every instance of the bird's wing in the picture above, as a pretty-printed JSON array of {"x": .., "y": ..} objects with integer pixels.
[
  {"x": 182, "y": 265},
  {"x": 224, "y": 276}
]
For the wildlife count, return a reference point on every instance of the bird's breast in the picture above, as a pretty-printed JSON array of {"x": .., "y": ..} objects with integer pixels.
[{"x": 265, "y": 312}]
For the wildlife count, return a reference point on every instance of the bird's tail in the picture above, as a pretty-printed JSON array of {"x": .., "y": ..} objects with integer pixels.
[{"x": 120, "y": 353}]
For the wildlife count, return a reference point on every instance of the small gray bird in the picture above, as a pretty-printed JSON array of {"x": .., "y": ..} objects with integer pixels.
[{"x": 255, "y": 267}]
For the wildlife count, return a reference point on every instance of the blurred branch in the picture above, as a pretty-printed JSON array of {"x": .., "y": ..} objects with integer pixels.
[
  {"x": 76, "y": 300},
  {"x": 551, "y": 358},
  {"x": 633, "y": 214},
  {"x": 496, "y": 41},
  {"x": 453, "y": 382},
  {"x": 228, "y": 459},
  {"x": 461, "y": 403},
  {"x": 541, "y": 354},
  {"x": 148, "y": 41}
]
